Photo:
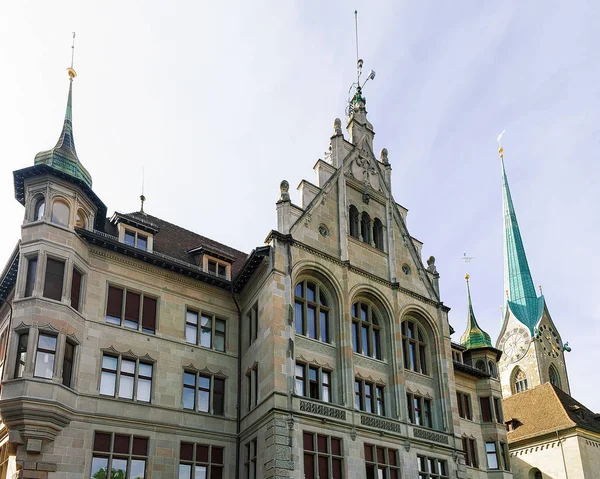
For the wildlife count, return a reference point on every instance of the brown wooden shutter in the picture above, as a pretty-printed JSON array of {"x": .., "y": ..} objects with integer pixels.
[
  {"x": 75, "y": 289},
  {"x": 115, "y": 302},
  {"x": 53, "y": 283},
  {"x": 486, "y": 412},
  {"x": 149, "y": 315},
  {"x": 132, "y": 307}
]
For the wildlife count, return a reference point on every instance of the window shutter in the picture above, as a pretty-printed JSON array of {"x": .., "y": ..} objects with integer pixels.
[
  {"x": 149, "y": 314},
  {"x": 115, "y": 302},
  {"x": 486, "y": 413},
  {"x": 132, "y": 307},
  {"x": 53, "y": 284},
  {"x": 75, "y": 289}
]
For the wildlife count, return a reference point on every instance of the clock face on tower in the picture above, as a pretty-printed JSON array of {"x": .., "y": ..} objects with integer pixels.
[
  {"x": 515, "y": 344},
  {"x": 550, "y": 341}
]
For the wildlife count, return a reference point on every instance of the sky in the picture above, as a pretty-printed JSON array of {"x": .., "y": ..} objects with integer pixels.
[{"x": 217, "y": 102}]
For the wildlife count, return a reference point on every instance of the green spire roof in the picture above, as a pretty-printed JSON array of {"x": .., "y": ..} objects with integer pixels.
[
  {"x": 522, "y": 298},
  {"x": 63, "y": 156},
  {"x": 474, "y": 337}
]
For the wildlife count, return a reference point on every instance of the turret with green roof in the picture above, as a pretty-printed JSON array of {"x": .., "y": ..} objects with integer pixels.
[{"x": 474, "y": 337}]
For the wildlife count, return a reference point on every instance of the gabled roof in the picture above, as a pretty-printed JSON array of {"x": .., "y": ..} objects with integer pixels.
[{"x": 546, "y": 409}]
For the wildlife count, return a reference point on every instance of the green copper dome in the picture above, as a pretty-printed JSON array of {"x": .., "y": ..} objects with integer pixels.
[
  {"x": 522, "y": 299},
  {"x": 474, "y": 337},
  {"x": 63, "y": 156}
]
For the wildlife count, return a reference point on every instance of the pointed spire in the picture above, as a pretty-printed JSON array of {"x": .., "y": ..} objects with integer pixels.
[
  {"x": 521, "y": 295},
  {"x": 474, "y": 337},
  {"x": 63, "y": 156}
]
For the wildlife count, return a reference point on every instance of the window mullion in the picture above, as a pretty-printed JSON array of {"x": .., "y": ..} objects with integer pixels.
[
  {"x": 141, "y": 312},
  {"x": 123, "y": 305},
  {"x": 118, "y": 377}
]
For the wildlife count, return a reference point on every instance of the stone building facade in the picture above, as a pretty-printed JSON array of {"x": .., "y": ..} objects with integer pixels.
[{"x": 131, "y": 347}]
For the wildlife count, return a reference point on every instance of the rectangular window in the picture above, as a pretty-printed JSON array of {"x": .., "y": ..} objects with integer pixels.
[
  {"x": 492, "y": 455},
  {"x": 498, "y": 410},
  {"x": 68, "y": 364},
  {"x": 31, "y": 275},
  {"x": 432, "y": 468},
  {"x": 486, "y": 411},
  {"x": 252, "y": 381},
  {"x": 191, "y": 327},
  {"x": 504, "y": 456},
  {"x": 200, "y": 461},
  {"x": 3, "y": 347},
  {"x": 76, "y": 289},
  {"x": 323, "y": 456},
  {"x": 131, "y": 309},
  {"x": 135, "y": 239},
  {"x": 369, "y": 397},
  {"x": 119, "y": 456},
  {"x": 252, "y": 320},
  {"x": 53, "y": 283},
  {"x": 419, "y": 410},
  {"x": 470, "y": 450},
  {"x": 45, "y": 355},
  {"x": 381, "y": 462},
  {"x": 201, "y": 391},
  {"x": 250, "y": 459},
  {"x": 126, "y": 378},
  {"x": 464, "y": 405},
  {"x": 211, "y": 333},
  {"x": 21, "y": 355},
  {"x": 313, "y": 382}
]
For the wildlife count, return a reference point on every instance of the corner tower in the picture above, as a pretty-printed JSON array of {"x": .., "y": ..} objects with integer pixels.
[{"x": 533, "y": 349}]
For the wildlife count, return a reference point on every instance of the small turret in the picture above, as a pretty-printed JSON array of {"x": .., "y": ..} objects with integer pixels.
[{"x": 474, "y": 337}]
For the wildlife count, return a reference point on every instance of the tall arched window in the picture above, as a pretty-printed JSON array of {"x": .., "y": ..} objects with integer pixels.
[
  {"x": 366, "y": 330},
  {"x": 365, "y": 227},
  {"x": 60, "y": 213},
  {"x": 519, "y": 381},
  {"x": 415, "y": 347},
  {"x": 354, "y": 226},
  {"x": 480, "y": 365},
  {"x": 378, "y": 233},
  {"x": 554, "y": 376},
  {"x": 80, "y": 219},
  {"x": 492, "y": 369},
  {"x": 311, "y": 311},
  {"x": 40, "y": 209}
]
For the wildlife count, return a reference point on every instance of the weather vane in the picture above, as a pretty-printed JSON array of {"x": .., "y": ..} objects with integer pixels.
[
  {"x": 70, "y": 70},
  {"x": 142, "y": 197},
  {"x": 359, "y": 64},
  {"x": 499, "y": 140},
  {"x": 467, "y": 260}
]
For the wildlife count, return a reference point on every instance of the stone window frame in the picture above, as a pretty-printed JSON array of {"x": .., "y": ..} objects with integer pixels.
[
  {"x": 422, "y": 349},
  {"x": 132, "y": 232},
  {"x": 425, "y": 409},
  {"x": 330, "y": 450},
  {"x": 213, "y": 333},
  {"x": 390, "y": 465},
  {"x": 252, "y": 320},
  {"x": 425, "y": 464},
  {"x": 207, "y": 258},
  {"x": 212, "y": 390},
  {"x": 252, "y": 381},
  {"x": 60, "y": 199},
  {"x": 554, "y": 376},
  {"x": 250, "y": 459},
  {"x": 465, "y": 405},
  {"x": 128, "y": 356},
  {"x": 140, "y": 326},
  {"x": 38, "y": 200},
  {"x": 194, "y": 459},
  {"x": 376, "y": 400},
  {"x": 132, "y": 454},
  {"x": 469, "y": 445},
  {"x": 519, "y": 381},
  {"x": 500, "y": 452},
  {"x": 321, "y": 304},
  {"x": 321, "y": 385}
]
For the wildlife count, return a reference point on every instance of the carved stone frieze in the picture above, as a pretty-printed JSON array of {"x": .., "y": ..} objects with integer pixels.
[
  {"x": 322, "y": 410},
  {"x": 378, "y": 423},
  {"x": 364, "y": 362},
  {"x": 318, "y": 347},
  {"x": 430, "y": 435}
]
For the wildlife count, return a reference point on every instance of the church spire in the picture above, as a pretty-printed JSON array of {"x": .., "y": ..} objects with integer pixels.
[
  {"x": 63, "y": 156},
  {"x": 522, "y": 299},
  {"x": 474, "y": 337}
]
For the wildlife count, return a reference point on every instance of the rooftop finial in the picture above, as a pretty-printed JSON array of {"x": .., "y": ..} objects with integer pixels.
[
  {"x": 499, "y": 139},
  {"x": 142, "y": 197},
  {"x": 357, "y": 97},
  {"x": 72, "y": 73}
]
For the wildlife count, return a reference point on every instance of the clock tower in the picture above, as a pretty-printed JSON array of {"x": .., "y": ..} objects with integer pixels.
[{"x": 532, "y": 349}]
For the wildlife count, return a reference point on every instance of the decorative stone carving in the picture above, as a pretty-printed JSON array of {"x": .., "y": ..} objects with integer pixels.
[
  {"x": 322, "y": 410},
  {"x": 431, "y": 265},
  {"x": 368, "y": 363},
  {"x": 318, "y": 347},
  {"x": 365, "y": 172},
  {"x": 284, "y": 188},
  {"x": 383, "y": 156},
  {"x": 378, "y": 423},
  {"x": 430, "y": 436},
  {"x": 337, "y": 127}
]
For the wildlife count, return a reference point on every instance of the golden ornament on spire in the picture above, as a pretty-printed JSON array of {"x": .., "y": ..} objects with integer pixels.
[
  {"x": 467, "y": 276},
  {"x": 70, "y": 71}
]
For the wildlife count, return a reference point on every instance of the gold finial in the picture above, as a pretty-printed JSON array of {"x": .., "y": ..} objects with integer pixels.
[
  {"x": 507, "y": 293},
  {"x": 467, "y": 276},
  {"x": 70, "y": 71},
  {"x": 541, "y": 292},
  {"x": 499, "y": 139}
]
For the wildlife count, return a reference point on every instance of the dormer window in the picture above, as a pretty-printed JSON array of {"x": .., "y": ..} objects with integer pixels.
[
  {"x": 216, "y": 268},
  {"x": 135, "y": 239}
]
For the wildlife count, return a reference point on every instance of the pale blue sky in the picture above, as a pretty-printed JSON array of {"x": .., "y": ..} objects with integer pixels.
[{"x": 221, "y": 102}]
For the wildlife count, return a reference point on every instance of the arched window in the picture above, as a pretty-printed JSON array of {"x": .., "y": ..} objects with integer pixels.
[
  {"x": 81, "y": 219},
  {"x": 415, "y": 347},
  {"x": 354, "y": 226},
  {"x": 480, "y": 365},
  {"x": 492, "y": 369},
  {"x": 40, "y": 209},
  {"x": 535, "y": 474},
  {"x": 378, "y": 233},
  {"x": 554, "y": 376},
  {"x": 311, "y": 311},
  {"x": 519, "y": 381},
  {"x": 365, "y": 227},
  {"x": 60, "y": 213},
  {"x": 366, "y": 330}
]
